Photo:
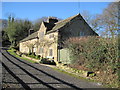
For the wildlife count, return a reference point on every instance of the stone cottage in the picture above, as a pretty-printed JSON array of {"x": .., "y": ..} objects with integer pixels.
[{"x": 48, "y": 40}]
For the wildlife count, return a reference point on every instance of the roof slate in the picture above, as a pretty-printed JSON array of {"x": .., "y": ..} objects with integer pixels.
[
  {"x": 32, "y": 36},
  {"x": 53, "y": 27},
  {"x": 62, "y": 23}
]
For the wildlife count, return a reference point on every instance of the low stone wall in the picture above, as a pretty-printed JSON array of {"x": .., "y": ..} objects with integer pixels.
[{"x": 81, "y": 73}]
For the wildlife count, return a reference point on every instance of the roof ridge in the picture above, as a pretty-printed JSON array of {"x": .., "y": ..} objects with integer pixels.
[
  {"x": 68, "y": 18},
  {"x": 62, "y": 23}
]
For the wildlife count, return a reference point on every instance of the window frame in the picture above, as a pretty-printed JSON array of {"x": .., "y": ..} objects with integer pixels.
[
  {"x": 41, "y": 50},
  {"x": 50, "y": 52}
]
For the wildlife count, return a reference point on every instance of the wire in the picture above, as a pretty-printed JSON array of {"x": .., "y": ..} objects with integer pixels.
[{"x": 79, "y": 6}]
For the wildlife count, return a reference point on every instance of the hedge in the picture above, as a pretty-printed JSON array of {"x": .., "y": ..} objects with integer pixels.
[{"x": 95, "y": 53}]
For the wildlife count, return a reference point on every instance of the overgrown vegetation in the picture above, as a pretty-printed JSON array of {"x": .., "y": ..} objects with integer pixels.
[{"x": 97, "y": 54}]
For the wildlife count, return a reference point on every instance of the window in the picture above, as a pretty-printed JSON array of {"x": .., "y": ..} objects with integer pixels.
[
  {"x": 50, "y": 52},
  {"x": 82, "y": 34},
  {"x": 34, "y": 49},
  {"x": 41, "y": 50}
]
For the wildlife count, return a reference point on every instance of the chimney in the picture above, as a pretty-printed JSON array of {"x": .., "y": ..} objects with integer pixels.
[
  {"x": 31, "y": 31},
  {"x": 52, "y": 20}
]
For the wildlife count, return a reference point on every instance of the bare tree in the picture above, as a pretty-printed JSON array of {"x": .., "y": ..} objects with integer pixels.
[
  {"x": 87, "y": 16},
  {"x": 92, "y": 20},
  {"x": 107, "y": 22},
  {"x": 109, "y": 19}
]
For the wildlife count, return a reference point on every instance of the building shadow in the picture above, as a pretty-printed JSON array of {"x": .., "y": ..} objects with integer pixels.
[
  {"x": 63, "y": 82},
  {"x": 28, "y": 73},
  {"x": 25, "y": 86}
]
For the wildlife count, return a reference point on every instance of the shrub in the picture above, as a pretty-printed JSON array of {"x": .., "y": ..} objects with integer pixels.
[
  {"x": 118, "y": 72},
  {"x": 37, "y": 56},
  {"x": 26, "y": 54},
  {"x": 96, "y": 54},
  {"x": 47, "y": 61},
  {"x": 31, "y": 55}
]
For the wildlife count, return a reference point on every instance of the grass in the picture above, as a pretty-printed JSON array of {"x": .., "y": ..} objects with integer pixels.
[
  {"x": 14, "y": 54},
  {"x": 83, "y": 78},
  {"x": 74, "y": 75}
]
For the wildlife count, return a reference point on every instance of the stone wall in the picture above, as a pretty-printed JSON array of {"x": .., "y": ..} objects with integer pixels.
[
  {"x": 73, "y": 29},
  {"x": 25, "y": 46}
]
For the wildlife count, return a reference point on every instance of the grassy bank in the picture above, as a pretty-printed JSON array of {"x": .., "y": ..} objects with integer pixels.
[
  {"x": 71, "y": 74},
  {"x": 82, "y": 78},
  {"x": 89, "y": 79},
  {"x": 11, "y": 51}
]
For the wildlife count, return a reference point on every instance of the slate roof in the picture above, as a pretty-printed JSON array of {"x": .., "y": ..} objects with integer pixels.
[
  {"x": 62, "y": 23},
  {"x": 54, "y": 27},
  {"x": 32, "y": 36}
]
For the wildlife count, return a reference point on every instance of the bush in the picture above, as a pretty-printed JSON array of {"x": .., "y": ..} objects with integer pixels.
[
  {"x": 26, "y": 54},
  {"x": 96, "y": 54},
  {"x": 32, "y": 55},
  {"x": 118, "y": 71},
  {"x": 37, "y": 56},
  {"x": 47, "y": 61}
]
